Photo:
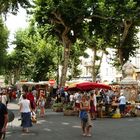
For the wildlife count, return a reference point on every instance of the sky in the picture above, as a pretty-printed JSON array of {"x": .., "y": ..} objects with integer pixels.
[{"x": 14, "y": 22}]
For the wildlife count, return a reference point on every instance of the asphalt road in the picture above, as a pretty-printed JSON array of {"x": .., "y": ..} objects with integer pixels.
[{"x": 56, "y": 126}]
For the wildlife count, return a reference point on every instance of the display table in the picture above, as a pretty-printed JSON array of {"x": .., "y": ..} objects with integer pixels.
[{"x": 130, "y": 111}]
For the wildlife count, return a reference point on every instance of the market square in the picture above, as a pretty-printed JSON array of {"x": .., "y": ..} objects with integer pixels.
[
  {"x": 60, "y": 127},
  {"x": 69, "y": 69}
]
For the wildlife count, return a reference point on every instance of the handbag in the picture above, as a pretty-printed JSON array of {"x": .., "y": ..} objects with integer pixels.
[{"x": 33, "y": 117}]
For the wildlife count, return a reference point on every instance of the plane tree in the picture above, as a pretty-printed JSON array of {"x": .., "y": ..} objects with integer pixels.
[
  {"x": 5, "y": 7},
  {"x": 33, "y": 58},
  {"x": 114, "y": 21},
  {"x": 13, "y": 5},
  {"x": 64, "y": 19},
  {"x": 122, "y": 21}
]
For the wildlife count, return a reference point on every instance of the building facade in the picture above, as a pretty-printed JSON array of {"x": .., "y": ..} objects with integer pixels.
[{"x": 107, "y": 73}]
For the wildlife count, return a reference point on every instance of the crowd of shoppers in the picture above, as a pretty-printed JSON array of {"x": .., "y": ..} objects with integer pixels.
[{"x": 83, "y": 102}]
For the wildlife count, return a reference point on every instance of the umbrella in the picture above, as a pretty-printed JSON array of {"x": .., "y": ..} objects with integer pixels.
[{"x": 87, "y": 86}]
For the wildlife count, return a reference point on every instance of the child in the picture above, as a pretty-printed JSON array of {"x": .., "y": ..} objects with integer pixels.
[{"x": 41, "y": 103}]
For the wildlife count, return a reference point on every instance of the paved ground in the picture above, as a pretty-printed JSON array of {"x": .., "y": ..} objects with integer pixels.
[{"x": 55, "y": 126}]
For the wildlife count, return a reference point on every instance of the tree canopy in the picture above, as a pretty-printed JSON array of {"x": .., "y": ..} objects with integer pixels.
[
  {"x": 115, "y": 22},
  {"x": 63, "y": 19},
  {"x": 13, "y": 5},
  {"x": 98, "y": 24},
  {"x": 33, "y": 57},
  {"x": 3, "y": 42}
]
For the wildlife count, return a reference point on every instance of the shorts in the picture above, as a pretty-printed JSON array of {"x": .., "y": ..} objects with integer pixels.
[{"x": 122, "y": 108}]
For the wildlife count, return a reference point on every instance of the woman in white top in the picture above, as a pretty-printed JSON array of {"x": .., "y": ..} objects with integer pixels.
[
  {"x": 4, "y": 99},
  {"x": 25, "y": 110}
]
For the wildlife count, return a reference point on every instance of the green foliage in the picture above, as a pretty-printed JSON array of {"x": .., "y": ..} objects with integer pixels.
[
  {"x": 68, "y": 106},
  {"x": 60, "y": 14},
  {"x": 13, "y": 5},
  {"x": 130, "y": 44},
  {"x": 33, "y": 57},
  {"x": 77, "y": 50},
  {"x": 3, "y": 43},
  {"x": 97, "y": 24},
  {"x": 112, "y": 24},
  {"x": 64, "y": 20},
  {"x": 22, "y": 54},
  {"x": 45, "y": 63},
  {"x": 57, "y": 105}
]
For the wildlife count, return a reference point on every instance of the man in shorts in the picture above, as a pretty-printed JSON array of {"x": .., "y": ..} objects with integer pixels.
[
  {"x": 122, "y": 104},
  {"x": 3, "y": 119}
]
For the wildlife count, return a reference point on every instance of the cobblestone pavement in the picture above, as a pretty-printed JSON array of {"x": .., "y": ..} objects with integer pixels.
[{"x": 56, "y": 126}]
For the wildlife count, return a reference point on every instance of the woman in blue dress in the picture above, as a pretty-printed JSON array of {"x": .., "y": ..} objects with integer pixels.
[{"x": 25, "y": 110}]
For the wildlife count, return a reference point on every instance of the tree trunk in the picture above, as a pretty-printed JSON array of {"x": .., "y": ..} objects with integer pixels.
[
  {"x": 72, "y": 68},
  {"x": 101, "y": 58},
  {"x": 67, "y": 45},
  {"x": 120, "y": 55},
  {"x": 8, "y": 77},
  {"x": 127, "y": 25},
  {"x": 93, "y": 64},
  {"x": 16, "y": 76}
]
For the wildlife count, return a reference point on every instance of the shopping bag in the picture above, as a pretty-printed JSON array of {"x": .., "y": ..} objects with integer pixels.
[{"x": 33, "y": 117}]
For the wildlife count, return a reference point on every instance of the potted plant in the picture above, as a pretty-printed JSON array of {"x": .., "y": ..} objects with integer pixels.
[
  {"x": 69, "y": 111},
  {"x": 57, "y": 107}
]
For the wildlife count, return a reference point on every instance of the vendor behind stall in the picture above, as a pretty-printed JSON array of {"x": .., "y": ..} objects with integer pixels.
[{"x": 122, "y": 104}]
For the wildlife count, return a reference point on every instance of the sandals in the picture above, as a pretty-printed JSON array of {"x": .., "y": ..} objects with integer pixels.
[
  {"x": 88, "y": 135},
  {"x": 84, "y": 134},
  {"x": 25, "y": 130}
]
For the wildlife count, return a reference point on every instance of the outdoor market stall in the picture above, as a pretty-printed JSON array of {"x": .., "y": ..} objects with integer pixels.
[{"x": 87, "y": 87}]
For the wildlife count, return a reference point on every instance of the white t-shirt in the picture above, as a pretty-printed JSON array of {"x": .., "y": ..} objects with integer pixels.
[
  {"x": 71, "y": 97},
  {"x": 4, "y": 99},
  {"x": 122, "y": 100},
  {"x": 95, "y": 100},
  {"x": 25, "y": 106},
  {"x": 77, "y": 97}
]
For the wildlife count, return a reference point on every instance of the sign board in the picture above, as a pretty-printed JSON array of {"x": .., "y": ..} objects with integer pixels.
[{"x": 51, "y": 82}]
